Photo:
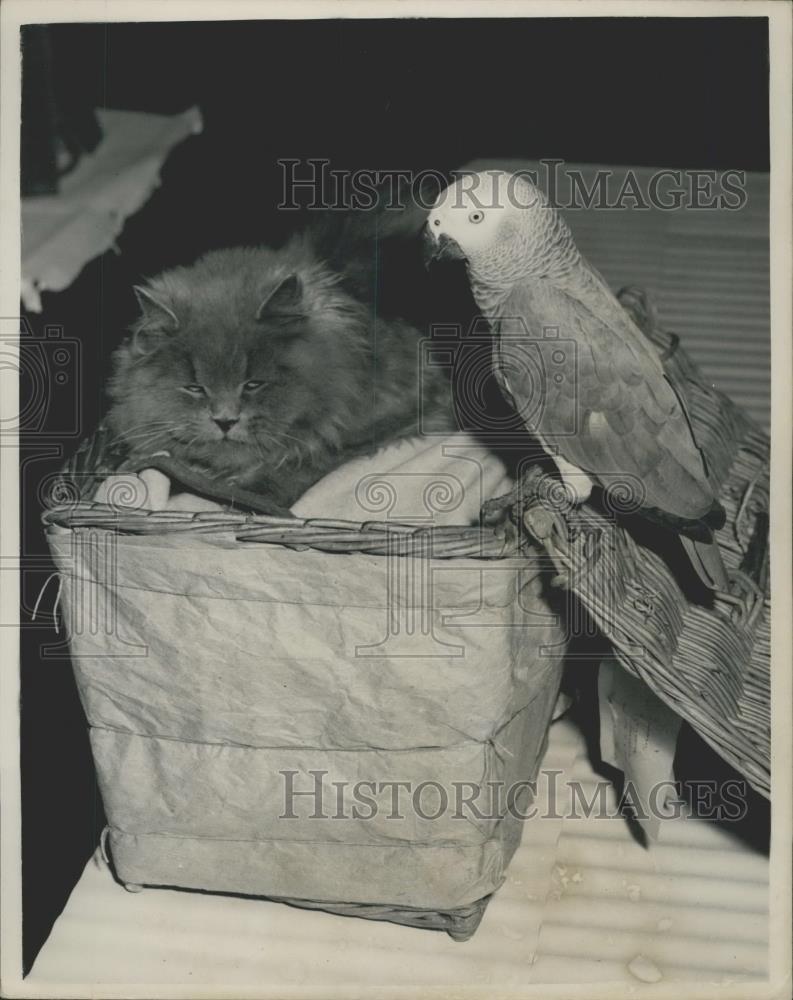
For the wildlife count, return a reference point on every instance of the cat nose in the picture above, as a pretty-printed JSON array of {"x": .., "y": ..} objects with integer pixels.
[{"x": 226, "y": 423}]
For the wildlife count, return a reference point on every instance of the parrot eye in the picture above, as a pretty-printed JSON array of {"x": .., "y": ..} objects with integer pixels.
[
  {"x": 476, "y": 216},
  {"x": 436, "y": 222}
]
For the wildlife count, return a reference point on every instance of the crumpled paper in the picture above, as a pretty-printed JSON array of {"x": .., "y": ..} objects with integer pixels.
[{"x": 211, "y": 669}]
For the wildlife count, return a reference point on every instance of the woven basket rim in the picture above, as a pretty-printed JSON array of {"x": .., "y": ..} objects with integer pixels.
[{"x": 377, "y": 537}]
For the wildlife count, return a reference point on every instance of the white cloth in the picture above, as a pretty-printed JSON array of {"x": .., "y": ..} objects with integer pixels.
[{"x": 434, "y": 481}]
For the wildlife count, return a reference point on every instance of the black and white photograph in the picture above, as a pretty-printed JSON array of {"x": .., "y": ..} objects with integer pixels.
[{"x": 392, "y": 499}]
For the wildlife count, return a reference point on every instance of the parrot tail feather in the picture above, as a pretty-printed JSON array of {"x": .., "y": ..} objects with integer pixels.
[
  {"x": 698, "y": 529},
  {"x": 706, "y": 561},
  {"x": 716, "y": 516}
]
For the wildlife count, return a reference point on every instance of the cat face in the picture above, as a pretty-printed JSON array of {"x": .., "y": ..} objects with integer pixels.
[
  {"x": 226, "y": 374},
  {"x": 224, "y": 404}
]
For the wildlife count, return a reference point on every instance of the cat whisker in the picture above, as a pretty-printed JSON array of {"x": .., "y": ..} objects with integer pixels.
[
  {"x": 191, "y": 442},
  {"x": 150, "y": 440},
  {"x": 147, "y": 423},
  {"x": 291, "y": 437},
  {"x": 146, "y": 435},
  {"x": 157, "y": 440},
  {"x": 277, "y": 437},
  {"x": 147, "y": 428}
]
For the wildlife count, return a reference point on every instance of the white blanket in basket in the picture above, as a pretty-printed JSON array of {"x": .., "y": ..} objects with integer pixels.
[{"x": 433, "y": 480}]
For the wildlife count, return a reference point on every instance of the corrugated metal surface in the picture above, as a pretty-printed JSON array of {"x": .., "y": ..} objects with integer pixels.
[
  {"x": 583, "y": 902},
  {"x": 694, "y": 905}
]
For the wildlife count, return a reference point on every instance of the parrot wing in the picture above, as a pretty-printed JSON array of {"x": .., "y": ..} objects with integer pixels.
[{"x": 604, "y": 402}]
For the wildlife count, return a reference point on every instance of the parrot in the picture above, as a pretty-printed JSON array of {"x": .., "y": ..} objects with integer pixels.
[{"x": 587, "y": 383}]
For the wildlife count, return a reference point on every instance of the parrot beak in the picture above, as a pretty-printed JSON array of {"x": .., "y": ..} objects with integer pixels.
[{"x": 442, "y": 248}]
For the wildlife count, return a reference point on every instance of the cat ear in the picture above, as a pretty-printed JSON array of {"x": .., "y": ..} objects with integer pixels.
[
  {"x": 155, "y": 310},
  {"x": 162, "y": 318},
  {"x": 284, "y": 301}
]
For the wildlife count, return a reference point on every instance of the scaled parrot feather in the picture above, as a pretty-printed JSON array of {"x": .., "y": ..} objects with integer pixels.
[{"x": 585, "y": 379}]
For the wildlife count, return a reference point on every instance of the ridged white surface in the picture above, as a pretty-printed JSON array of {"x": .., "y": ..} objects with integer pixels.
[{"x": 583, "y": 902}]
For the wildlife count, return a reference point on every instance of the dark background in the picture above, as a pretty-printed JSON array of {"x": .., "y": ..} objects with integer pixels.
[{"x": 410, "y": 94}]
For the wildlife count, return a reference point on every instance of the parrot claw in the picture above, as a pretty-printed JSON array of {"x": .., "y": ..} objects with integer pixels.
[
  {"x": 498, "y": 515},
  {"x": 494, "y": 512},
  {"x": 641, "y": 307},
  {"x": 508, "y": 533},
  {"x": 539, "y": 521}
]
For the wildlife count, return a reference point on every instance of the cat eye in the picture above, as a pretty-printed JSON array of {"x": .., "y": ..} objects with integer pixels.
[
  {"x": 194, "y": 390},
  {"x": 476, "y": 216},
  {"x": 252, "y": 385}
]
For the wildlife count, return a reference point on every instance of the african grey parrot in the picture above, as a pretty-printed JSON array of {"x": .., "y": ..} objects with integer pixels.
[{"x": 605, "y": 409}]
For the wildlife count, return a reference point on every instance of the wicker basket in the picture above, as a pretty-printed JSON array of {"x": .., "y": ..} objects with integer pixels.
[{"x": 216, "y": 652}]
